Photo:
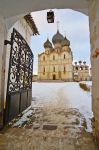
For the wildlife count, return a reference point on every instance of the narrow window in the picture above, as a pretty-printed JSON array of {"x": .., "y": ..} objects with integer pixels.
[
  {"x": 43, "y": 58},
  {"x": 64, "y": 56},
  {"x": 54, "y": 69},
  {"x": 43, "y": 70},
  {"x": 86, "y": 68},
  {"x": 53, "y": 57},
  {"x": 64, "y": 69}
]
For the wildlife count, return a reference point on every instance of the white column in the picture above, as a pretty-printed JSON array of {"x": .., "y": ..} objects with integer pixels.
[
  {"x": 3, "y": 34},
  {"x": 94, "y": 39}
]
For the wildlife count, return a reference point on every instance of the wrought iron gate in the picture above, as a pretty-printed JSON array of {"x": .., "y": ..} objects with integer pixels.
[{"x": 19, "y": 87}]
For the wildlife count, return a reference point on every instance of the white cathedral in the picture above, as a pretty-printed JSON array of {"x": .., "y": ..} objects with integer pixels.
[{"x": 55, "y": 63}]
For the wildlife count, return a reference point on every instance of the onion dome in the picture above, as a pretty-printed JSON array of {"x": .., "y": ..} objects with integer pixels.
[
  {"x": 65, "y": 42},
  {"x": 47, "y": 44},
  {"x": 57, "y": 38}
]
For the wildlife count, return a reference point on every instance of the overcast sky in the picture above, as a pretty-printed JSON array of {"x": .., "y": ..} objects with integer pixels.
[{"x": 74, "y": 24}]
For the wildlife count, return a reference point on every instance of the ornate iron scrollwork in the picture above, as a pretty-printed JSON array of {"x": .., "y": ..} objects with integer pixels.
[{"x": 20, "y": 64}]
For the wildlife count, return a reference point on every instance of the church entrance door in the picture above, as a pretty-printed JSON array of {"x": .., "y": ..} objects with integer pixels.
[{"x": 54, "y": 77}]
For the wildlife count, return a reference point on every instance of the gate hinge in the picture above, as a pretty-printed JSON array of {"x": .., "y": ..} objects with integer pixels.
[{"x": 7, "y": 42}]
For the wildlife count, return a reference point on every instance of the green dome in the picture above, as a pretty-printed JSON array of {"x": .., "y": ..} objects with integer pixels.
[
  {"x": 47, "y": 44},
  {"x": 57, "y": 38},
  {"x": 65, "y": 42}
]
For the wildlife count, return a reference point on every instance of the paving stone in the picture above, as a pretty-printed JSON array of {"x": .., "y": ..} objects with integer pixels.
[
  {"x": 36, "y": 126},
  {"x": 69, "y": 126},
  {"x": 29, "y": 126},
  {"x": 49, "y": 127}
]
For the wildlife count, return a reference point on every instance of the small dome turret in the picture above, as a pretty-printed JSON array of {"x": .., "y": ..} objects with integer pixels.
[
  {"x": 47, "y": 44},
  {"x": 65, "y": 42}
]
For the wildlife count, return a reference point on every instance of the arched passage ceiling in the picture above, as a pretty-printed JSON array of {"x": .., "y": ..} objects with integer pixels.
[{"x": 9, "y": 8}]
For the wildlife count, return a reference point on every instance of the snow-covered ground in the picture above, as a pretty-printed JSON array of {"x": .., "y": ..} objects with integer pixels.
[
  {"x": 51, "y": 96},
  {"x": 58, "y": 119},
  {"x": 67, "y": 94}
]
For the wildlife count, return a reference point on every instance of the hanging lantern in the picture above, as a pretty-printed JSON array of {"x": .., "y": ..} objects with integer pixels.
[{"x": 50, "y": 16}]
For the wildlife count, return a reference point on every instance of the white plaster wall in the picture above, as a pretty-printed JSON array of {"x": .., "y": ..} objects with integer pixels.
[
  {"x": 3, "y": 33},
  {"x": 1, "y": 49}
]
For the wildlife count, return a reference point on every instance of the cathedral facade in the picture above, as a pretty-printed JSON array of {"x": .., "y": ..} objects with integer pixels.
[{"x": 55, "y": 63}]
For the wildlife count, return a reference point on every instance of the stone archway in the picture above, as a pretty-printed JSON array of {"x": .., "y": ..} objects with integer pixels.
[
  {"x": 12, "y": 15},
  {"x": 9, "y": 15}
]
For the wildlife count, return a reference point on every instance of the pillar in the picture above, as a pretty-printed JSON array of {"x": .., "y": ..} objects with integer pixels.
[
  {"x": 3, "y": 34},
  {"x": 94, "y": 39}
]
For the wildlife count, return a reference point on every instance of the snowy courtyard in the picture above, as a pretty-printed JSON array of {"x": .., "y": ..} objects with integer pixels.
[
  {"x": 66, "y": 95},
  {"x": 59, "y": 119}
]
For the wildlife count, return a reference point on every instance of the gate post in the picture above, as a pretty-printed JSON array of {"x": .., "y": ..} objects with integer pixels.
[
  {"x": 3, "y": 35},
  {"x": 94, "y": 40}
]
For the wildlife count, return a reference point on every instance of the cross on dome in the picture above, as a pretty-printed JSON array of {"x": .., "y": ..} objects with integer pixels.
[{"x": 57, "y": 25}]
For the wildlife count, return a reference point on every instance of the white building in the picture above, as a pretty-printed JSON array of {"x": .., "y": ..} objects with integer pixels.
[
  {"x": 81, "y": 72},
  {"x": 55, "y": 63}
]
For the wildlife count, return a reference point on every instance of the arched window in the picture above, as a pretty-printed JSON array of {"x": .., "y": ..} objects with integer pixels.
[
  {"x": 81, "y": 68},
  {"x": 64, "y": 56},
  {"x": 64, "y": 69},
  {"x": 53, "y": 69},
  {"x": 43, "y": 58},
  {"x": 53, "y": 57},
  {"x": 86, "y": 67},
  {"x": 76, "y": 68}
]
